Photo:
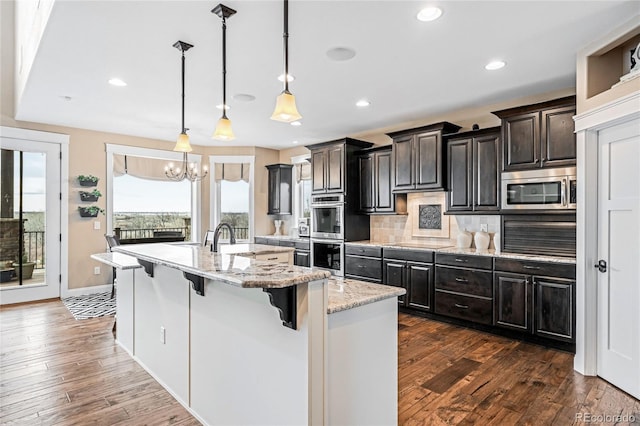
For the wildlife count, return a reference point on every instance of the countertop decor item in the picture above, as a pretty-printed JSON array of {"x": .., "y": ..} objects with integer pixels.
[
  {"x": 464, "y": 239},
  {"x": 223, "y": 131},
  {"x": 482, "y": 240},
  {"x": 496, "y": 241},
  {"x": 278, "y": 225},
  {"x": 90, "y": 196},
  {"x": 88, "y": 180}
]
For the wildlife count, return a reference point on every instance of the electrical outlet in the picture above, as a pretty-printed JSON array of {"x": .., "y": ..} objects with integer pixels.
[
  {"x": 96, "y": 225},
  {"x": 163, "y": 335},
  {"x": 96, "y": 270},
  {"x": 483, "y": 227}
]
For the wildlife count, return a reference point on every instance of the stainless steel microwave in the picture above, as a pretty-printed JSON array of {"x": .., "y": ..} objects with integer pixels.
[{"x": 540, "y": 189}]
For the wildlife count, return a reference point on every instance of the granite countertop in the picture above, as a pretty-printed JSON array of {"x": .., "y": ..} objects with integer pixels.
[
  {"x": 117, "y": 260},
  {"x": 229, "y": 265},
  {"x": 450, "y": 248},
  {"x": 347, "y": 294},
  {"x": 285, "y": 238}
]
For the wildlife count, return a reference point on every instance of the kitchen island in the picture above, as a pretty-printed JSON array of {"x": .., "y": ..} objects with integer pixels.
[{"x": 243, "y": 341}]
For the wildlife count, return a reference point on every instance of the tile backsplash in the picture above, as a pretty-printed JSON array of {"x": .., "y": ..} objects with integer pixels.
[{"x": 396, "y": 228}]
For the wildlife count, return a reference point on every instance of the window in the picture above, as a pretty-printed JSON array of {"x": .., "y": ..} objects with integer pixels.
[
  {"x": 232, "y": 195},
  {"x": 302, "y": 192}
]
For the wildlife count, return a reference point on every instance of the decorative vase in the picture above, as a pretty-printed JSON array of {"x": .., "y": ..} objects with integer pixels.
[
  {"x": 496, "y": 241},
  {"x": 278, "y": 224},
  {"x": 464, "y": 239},
  {"x": 481, "y": 240}
]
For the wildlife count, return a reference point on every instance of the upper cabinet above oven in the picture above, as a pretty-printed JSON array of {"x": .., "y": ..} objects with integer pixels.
[
  {"x": 334, "y": 167},
  {"x": 539, "y": 135},
  {"x": 419, "y": 158}
]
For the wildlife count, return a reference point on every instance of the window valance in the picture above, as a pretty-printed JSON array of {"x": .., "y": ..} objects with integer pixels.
[
  {"x": 140, "y": 167},
  {"x": 303, "y": 171},
  {"x": 232, "y": 172}
]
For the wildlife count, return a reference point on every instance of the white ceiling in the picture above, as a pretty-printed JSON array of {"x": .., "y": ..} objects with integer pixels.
[{"x": 408, "y": 69}]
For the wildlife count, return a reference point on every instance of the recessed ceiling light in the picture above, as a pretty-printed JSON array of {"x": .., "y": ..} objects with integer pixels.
[
  {"x": 362, "y": 103},
  {"x": 429, "y": 14},
  {"x": 295, "y": 142},
  {"x": 243, "y": 97},
  {"x": 117, "y": 82},
  {"x": 290, "y": 78},
  {"x": 227, "y": 107},
  {"x": 495, "y": 65},
  {"x": 296, "y": 123},
  {"x": 66, "y": 98},
  {"x": 341, "y": 53}
]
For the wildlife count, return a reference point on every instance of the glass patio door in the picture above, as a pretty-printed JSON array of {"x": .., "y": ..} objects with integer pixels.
[{"x": 29, "y": 220}]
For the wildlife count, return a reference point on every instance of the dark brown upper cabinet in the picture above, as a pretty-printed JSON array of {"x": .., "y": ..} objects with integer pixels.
[
  {"x": 419, "y": 158},
  {"x": 375, "y": 168},
  {"x": 330, "y": 163},
  {"x": 539, "y": 135},
  {"x": 473, "y": 160},
  {"x": 280, "y": 188}
]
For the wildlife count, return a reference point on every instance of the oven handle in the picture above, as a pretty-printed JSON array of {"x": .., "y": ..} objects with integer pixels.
[
  {"x": 327, "y": 205},
  {"x": 327, "y": 241},
  {"x": 563, "y": 192}
]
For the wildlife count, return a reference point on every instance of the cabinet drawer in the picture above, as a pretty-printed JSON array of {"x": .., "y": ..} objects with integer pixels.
[
  {"x": 468, "y": 281},
  {"x": 261, "y": 240},
  {"x": 464, "y": 307},
  {"x": 285, "y": 243},
  {"x": 425, "y": 256},
  {"x": 302, "y": 245},
  {"x": 373, "y": 251},
  {"x": 560, "y": 270},
  {"x": 363, "y": 267},
  {"x": 466, "y": 261},
  {"x": 274, "y": 257}
]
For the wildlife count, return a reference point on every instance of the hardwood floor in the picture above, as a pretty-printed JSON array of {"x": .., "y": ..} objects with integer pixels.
[{"x": 55, "y": 370}]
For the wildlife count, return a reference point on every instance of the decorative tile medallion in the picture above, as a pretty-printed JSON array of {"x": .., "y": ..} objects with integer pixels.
[{"x": 429, "y": 216}]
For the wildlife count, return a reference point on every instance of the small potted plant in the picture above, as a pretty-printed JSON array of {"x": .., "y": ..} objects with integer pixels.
[
  {"x": 88, "y": 180},
  {"x": 27, "y": 268},
  {"x": 90, "y": 196},
  {"x": 90, "y": 211}
]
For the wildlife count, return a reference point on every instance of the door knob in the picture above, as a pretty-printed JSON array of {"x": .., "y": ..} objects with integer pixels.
[{"x": 601, "y": 265}]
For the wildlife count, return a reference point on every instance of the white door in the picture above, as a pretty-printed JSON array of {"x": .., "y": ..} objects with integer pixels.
[
  {"x": 30, "y": 208},
  {"x": 618, "y": 358}
]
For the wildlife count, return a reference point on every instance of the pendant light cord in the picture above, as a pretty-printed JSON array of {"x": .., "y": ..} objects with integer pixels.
[
  {"x": 285, "y": 40},
  {"x": 184, "y": 130},
  {"x": 224, "y": 67}
]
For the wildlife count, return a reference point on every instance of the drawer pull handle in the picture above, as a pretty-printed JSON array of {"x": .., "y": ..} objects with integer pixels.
[
  {"x": 360, "y": 266},
  {"x": 462, "y": 280},
  {"x": 461, "y": 260},
  {"x": 272, "y": 258},
  {"x": 457, "y": 305},
  {"x": 531, "y": 267}
]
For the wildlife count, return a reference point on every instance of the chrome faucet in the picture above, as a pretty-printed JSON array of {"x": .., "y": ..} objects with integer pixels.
[{"x": 216, "y": 235}]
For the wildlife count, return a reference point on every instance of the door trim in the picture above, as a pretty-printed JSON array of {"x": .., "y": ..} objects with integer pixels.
[
  {"x": 587, "y": 125},
  {"x": 63, "y": 141}
]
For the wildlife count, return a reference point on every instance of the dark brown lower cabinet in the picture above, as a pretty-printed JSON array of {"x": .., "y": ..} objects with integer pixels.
[
  {"x": 543, "y": 306},
  {"x": 363, "y": 262},
  {"x": 413, "y": 271},
  {"x": 302, "y": 258}
]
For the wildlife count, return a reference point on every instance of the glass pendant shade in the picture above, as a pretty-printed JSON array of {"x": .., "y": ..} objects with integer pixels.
[
  {"x": 286, "y": 110},
  {"x": 223, "y": 131},
  {"x": 183, "y": 145}
]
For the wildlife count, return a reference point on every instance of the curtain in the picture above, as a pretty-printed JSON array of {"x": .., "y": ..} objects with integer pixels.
[
  {"x": 303, "y": 171},
  {"x": 140, "y": 167},
  {"x": 232, "y": 172}
]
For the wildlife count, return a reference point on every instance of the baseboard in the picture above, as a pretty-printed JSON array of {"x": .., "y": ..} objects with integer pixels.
[{"x": 82, "y": 291}]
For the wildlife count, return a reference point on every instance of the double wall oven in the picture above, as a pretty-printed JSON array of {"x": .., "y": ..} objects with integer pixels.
[{"x": 327, "y": 233}]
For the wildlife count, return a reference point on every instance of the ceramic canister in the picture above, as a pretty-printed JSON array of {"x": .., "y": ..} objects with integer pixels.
[
  {"x": 482, "y": 240},
  {"x": 464, "y": 239}
]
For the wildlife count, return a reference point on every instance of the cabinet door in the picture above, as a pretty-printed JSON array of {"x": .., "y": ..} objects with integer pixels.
[
  {"x": 554, "y": 308},
  {"x": 301, "y": 258},
  {"x": 274, "y": 191},
  {"x": 420, "y": 286},
  {"x": 521, "y": 141},
  {"x": 383, "y": 184},
  {"x": 367, "y": 184},
  {"x": 512, "y": 301},
  {"x": 486, "y": 182},
  {"x": 318, "y": 160},
  {"x": 428, "y": 161},
  {"x": 334, "y": 174},
  {"x": 558, "y": 139},
  {"x": 394, "y": 274},
  {"x": 403, "y": 163},
  {"x": 459, "y": 157}
]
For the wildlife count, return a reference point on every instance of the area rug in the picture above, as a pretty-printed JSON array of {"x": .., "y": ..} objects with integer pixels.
[{"x": 91, "y": 305}]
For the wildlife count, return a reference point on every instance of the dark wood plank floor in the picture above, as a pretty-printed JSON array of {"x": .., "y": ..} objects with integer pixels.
[{"x": 55, "y": 370}]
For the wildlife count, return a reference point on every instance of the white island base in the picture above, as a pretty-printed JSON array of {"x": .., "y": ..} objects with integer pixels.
[{"x": 228, "y": 358}]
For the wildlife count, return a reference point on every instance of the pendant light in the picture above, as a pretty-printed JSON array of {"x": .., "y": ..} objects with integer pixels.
[
  {"x": 286, "y": 110},
  {"x": 186, "y": 170},
  {"x": 223, "y": 130}
]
